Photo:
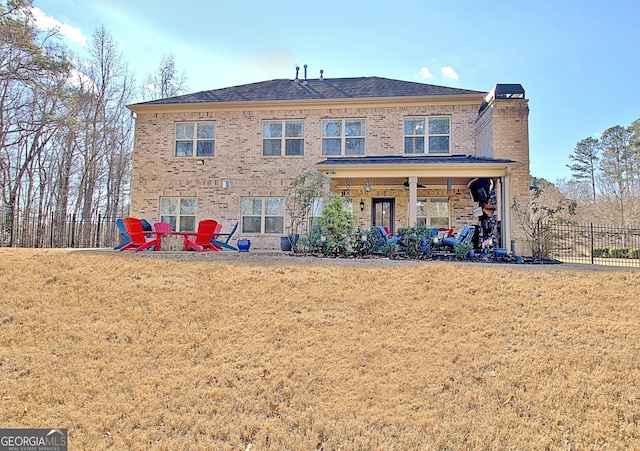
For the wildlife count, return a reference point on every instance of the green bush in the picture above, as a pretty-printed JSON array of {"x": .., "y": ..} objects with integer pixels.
[
  {"x": 619, "y": 252},
  {"x": 462, "y": 250},
  {"x": 416, "y": 241},
  {"x": 369, "y": 246},
  {"x": 616, "y": 252},
  {"x": 336, "y": 228},
  {"x": 601, "y": 252}
]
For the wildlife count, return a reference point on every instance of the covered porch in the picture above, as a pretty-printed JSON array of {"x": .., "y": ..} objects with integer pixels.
[{"x": 447, "y": 191}]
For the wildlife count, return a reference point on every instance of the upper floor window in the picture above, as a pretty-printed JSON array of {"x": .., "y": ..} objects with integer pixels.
[
  {"x": 427, "y": 135},
  {"x": 195, "y": 139},
  {"x": 278, "y": 135},
  {"x": 343, "y": 137},
  {"x": 433, "y": 212},
  {"x": 180, "y": 212}
]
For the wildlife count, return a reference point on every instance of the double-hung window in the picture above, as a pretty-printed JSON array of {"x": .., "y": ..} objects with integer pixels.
[
  {"x": 430, "y": 135},
  {"x": 343, "y": 137},
  {"x": 180, "y": 212},
  {"x": 279, "y": 135},
  {"x": 263, "y": 215},
  {"x": 433, "y": 212},
  {"x": 195, "y": 139}
]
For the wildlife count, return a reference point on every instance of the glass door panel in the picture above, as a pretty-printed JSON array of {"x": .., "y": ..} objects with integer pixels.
[{"x": 383, "y": 212}]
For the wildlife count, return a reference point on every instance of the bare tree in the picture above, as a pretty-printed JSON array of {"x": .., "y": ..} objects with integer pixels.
[
  {"x": 165, "y": 82},
  {"x": 617, "y": 172},
  {"x": 105, "y": 132},
  {"x": 33, "y": 72},
  {"x": 65, "y": 141}
]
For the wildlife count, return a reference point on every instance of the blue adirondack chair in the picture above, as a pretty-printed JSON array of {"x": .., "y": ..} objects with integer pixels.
[
  {"x": 124, "y": 238},
  {"x": 218, "y": 241}
]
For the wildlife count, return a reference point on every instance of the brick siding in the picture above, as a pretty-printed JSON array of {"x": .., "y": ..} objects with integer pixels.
[{"x": 238, "y": 155}]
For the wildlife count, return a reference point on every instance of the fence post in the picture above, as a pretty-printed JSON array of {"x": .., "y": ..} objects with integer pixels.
[
  {"x": 98, "y": 230},
  {"x": 73, "y": 230},
  {"x": 51, "y": 232},
  {"x": 592, "y": 243}
]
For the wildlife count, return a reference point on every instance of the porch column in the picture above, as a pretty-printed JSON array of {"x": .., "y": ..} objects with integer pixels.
[
  {"x": 413, "y": 200},
  {"x": 326, "y": 190}
]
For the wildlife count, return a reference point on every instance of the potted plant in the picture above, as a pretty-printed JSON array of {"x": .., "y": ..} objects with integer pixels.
[{"x": 301, "y": 194}]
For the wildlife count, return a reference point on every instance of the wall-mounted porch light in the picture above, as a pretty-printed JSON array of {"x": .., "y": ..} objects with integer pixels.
[
  {"x": 367, "y": 187},
  {"x": 361, "y": 204}
]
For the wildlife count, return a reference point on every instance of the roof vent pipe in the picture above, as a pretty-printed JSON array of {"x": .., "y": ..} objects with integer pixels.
[
  {"x": 297, "y": 70},
  {"x": 321, "y": 74},
  {"x": 305, "y": 74}
]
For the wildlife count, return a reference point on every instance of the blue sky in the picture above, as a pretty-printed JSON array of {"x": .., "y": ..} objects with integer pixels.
[{"x": 577, "y": 60}]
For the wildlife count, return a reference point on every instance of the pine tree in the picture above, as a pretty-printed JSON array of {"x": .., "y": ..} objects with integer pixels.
[{"x": 586, "y": 156}]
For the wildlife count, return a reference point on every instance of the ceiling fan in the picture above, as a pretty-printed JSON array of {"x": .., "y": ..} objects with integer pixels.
[{"x": 405, "y": 185}]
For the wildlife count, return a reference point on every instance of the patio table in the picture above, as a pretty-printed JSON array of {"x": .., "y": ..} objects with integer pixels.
[{"x": 171, "y": 243}]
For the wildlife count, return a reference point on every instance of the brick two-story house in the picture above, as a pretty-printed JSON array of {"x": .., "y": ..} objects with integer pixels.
[{"x": 402, "y": 152}]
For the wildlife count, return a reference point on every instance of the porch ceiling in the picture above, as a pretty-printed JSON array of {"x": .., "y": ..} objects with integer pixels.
[
  {"x": 397, "y": 182},
  {"x": 431, "y": 171}
]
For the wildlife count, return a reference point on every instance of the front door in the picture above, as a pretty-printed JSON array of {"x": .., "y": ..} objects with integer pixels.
[{"x": 382, "y": 212}]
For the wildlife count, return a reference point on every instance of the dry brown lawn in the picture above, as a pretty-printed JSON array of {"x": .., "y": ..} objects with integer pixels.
[{"x": 257, "y": 351}]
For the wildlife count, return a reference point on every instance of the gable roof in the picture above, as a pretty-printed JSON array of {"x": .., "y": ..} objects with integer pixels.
[{"x": 315, "y": 89}]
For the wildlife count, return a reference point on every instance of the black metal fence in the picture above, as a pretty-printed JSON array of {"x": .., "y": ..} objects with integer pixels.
[
  {"x": 596, "y": 244},
  {"x": 577, "y": 243},
  {"x": 73, "y": 231}
]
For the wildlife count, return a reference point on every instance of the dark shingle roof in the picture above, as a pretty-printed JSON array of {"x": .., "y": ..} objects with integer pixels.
[
  {"x": 404, "y": 160},
  {"x": 315, "y": 89}
]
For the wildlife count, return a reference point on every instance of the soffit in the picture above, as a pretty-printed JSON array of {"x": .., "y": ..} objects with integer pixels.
[
  {"x": 466, "y": 99},
  {"x": 399, "y": 167}
]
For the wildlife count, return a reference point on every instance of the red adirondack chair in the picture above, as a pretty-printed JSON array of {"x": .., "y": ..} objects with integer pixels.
[
  {"x": 139, "y": 239},
  {"x": 162, "y": 227},
  {"x": 202, "y": 238}
]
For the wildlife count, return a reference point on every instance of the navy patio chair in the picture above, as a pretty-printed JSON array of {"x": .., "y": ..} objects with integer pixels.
[{"x": 464, "y": 236}]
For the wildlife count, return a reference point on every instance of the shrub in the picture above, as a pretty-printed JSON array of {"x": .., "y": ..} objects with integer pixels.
[
  {"x": 462, "y": 250},
  {"x": 601, "y": 252},
  {"x": 369, "y": 246},
  {"x": 536, "y": 220},
  {"x": 619, "y": 252},
  {"x": 616, "y": 252},
  {"x": 336, "y": 228},
  {"x": 416, "y": 241}
]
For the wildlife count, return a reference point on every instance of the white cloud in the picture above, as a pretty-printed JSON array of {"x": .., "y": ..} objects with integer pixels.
[
  {"x": 79, "y": 79},
  {"x": 424, "y": 72},
  {"x": 47, "y": 22},
  {"x": 448, "y": 72}
]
